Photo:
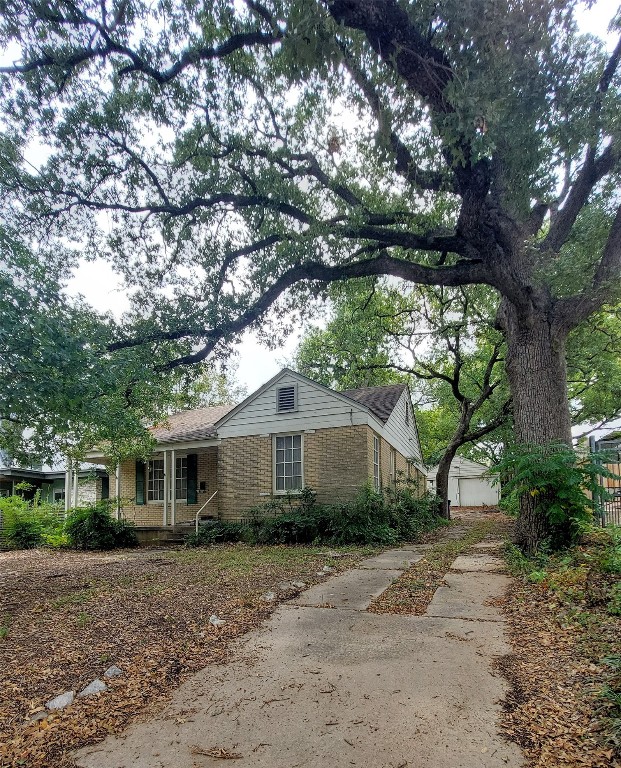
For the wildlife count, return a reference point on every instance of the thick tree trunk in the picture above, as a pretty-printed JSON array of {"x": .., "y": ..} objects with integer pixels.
[
  {"x": 537, "y": 375},
  {"x": 442, "y": 477}
]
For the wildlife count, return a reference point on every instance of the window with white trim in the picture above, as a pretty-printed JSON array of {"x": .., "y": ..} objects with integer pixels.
[
  {"x": 376, "y": 463},
  {"x": 407, "y": 412},
  {"x": 288, "y": 474},
  {"x": 286, "y": 398},
  {"x": 393, "y": 466},
  {"x": 155, "y": 479}
]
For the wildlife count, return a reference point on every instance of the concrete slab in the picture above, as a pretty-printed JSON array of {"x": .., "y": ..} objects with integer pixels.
[
  {"x": 489, "y": 544},
  {"x": 392, "y": 559},
  {"x": 467, "y": 596},
  {"x": 353, "y": 589},
  {"x": 334, "y": 688},
  {"x": 477, "y": 562}
]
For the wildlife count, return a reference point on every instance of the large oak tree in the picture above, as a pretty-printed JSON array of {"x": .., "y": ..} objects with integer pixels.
[{"x": 225, "y": 155}]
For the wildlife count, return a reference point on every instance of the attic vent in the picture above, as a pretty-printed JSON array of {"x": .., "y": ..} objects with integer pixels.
[{"x": 285, "y": 399}]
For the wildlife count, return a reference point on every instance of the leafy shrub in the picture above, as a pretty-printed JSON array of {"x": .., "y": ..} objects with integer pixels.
[
  {"x": 411, "y": 514},
  {"x": 21, "y": 528},
  {"x": 371, "y": 518},
  {"x": 30, "y": 524},
  {"x": 556, "y": 478},
  {"x": 93, "y": 527},
  {"x": 610, "y": 561},
  {"x": 214, "y": 533}
]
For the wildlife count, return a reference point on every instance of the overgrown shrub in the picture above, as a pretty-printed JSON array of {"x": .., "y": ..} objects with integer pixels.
[
  {"x": 93, "y": 527},
  {"x": 557, "y": 480},
  {"x": 371, "y": 518},
  {"x": 30, "y": 524},
  {"x": 215, "y": 533}
]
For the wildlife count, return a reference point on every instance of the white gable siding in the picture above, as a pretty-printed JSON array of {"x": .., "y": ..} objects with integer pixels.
[
  {"x": 317, "y": 408},
  {"x": 400, "y": 434}
]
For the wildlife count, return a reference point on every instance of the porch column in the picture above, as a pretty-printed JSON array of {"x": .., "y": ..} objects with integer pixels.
[
  {"x": 166, "y": 490},
  {"x": 173, "y": 501},
  {"x": 117, "y": 490},
  {"x": 75, "y": 485},
  {"x": 67, "y": 486}
]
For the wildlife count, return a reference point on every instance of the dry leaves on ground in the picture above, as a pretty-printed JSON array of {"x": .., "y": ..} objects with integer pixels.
[
  {"x": 551, "y": 710},
  {"x": 67, "y": 617}
]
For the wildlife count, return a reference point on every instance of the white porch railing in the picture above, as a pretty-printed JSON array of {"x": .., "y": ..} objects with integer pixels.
[{"x": 202, "y": 508}]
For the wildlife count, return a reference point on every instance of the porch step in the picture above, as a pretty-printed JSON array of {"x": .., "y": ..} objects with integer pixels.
[{"x": 163, "y": 535}]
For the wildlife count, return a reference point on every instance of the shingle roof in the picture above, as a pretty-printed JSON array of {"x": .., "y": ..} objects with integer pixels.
[
  {"x": 190, "y": 425},
  {"x": 379, "y": 400}
]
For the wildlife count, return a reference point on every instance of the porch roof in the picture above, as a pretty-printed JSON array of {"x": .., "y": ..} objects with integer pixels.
[{"x": 188, "y": 426}]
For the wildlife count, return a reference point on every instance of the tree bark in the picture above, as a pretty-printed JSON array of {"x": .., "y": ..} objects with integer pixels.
[
  {"x": 537, "y": 374},
  {"x": 442, "y": 476}
]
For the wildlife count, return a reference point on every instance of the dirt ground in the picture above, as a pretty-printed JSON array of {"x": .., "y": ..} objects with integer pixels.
[{"x": 66, "y": 617}]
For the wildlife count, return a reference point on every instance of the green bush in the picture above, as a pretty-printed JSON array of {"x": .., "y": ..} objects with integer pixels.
[
  {"x": 371, "y": 518},
  {"x": 556, "y": 478},
  {"x": 27, "y": 525},
  {"x": 93, "y": 527},
  {"x": 215, "y": 533}
]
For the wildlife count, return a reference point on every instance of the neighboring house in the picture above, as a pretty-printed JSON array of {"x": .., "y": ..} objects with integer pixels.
[
  {"x": 291, "y": 433},
  {"x": 469, "y": 484},
  {"x": 92, "y": 484}
]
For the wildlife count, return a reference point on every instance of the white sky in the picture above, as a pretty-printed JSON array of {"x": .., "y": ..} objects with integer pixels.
[{"x": 105, "y": 291}]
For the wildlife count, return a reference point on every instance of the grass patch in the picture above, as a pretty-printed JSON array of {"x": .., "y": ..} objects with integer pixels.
[
  {"x": 73, "y": 598},
  {"x": 244, "y": 558},
  {"x": 5, "y": 627}
]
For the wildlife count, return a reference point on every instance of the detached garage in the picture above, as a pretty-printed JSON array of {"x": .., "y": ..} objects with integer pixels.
[{"x": 469, "y": 485}]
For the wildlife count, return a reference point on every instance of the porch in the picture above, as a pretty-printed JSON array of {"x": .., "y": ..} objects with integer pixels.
[{"x": 168, "y": 491}]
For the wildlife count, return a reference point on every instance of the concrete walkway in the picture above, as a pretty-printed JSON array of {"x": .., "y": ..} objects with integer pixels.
[{"x": 324, "y": 683}]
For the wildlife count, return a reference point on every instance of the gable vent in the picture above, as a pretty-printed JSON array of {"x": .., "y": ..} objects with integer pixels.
[{"x": 286, "y": 399}]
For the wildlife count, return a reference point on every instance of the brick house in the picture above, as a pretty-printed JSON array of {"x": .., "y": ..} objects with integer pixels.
[{"x": 292, "y": 432}]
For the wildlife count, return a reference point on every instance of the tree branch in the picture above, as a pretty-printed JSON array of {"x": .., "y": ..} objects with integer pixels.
[
  {"x": 404, "y": 162},
  {"x": 460, "y": 274},
  {"x": 570, "y": 312}
]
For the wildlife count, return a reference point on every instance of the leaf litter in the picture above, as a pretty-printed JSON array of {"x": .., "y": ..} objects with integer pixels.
[{"x": 70, "y": 616}]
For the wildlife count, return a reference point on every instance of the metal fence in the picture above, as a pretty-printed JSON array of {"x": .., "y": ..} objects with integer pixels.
[{"x": 608, "y": 502}]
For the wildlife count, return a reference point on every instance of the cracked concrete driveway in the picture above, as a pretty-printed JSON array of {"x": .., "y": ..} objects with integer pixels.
[{"x": 325, "y": 683}]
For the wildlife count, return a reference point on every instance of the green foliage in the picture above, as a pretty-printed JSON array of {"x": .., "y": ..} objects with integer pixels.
[
  {"x": 30, "y": 524},
  {"x": 610, "y": 560},
  {"x": 556, "y": 479},
  {"x": 216, "y": 533},
  {"x": 371, "y": 518},
  {"x": 93, "y": 527},
  {"x": 5, "y": 627},
  {"x": 614, "y": 600}
]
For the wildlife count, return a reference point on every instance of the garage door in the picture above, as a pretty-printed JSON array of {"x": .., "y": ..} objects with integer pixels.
[{"x": 476, "y": 493}]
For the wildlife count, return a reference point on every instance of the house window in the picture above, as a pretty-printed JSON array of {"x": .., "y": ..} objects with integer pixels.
[
  {"x": 393, "y": 466},
  {"x": 376, "y": 463},
  {"x": 181, "y": 478},
  {"x": 288, "y": 463},
  {"x": 286, "y": 399},
  {"x": 155, "y": 479},
  {"x": 407, "y": 412}
]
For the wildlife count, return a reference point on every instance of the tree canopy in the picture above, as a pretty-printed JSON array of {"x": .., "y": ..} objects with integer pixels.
[
  {"x": 61, "y": 390},
  {"x": 228, "y": 157}
]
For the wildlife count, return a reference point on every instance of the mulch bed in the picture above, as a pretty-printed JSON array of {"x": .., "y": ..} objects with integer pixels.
[{"x": 66, "y": 617}]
